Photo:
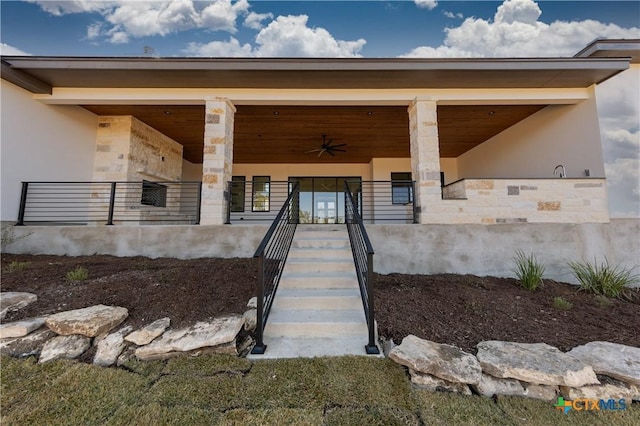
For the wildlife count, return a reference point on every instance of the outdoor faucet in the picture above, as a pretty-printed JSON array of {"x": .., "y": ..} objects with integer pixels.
[{"x": 563, "y": 172}]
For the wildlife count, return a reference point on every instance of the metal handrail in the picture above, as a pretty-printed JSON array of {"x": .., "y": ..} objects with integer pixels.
[
  {"x": 109, "y": 203},
  {"x": 272, "y": 255},
  {"x": 362, "y": 251}
]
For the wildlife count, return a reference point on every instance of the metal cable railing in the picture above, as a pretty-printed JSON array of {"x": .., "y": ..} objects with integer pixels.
[
  {"x": 272, "y": 255},
  {"x": 109, "y": 203},
  {"x": 385, "y": 201},
  {"x": 362, "y": 251}
]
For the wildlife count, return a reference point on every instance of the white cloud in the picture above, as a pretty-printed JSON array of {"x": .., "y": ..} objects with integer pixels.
[
  {"x": 290, "y": 36},
  {"x": 64, "y": 7},
  {"x": 517, "y": 31},
  {"x": 125, "y": 19},
  {"x": 452, "y": 15},
  {"x": 94, "y": 30},
  {"x": 231, "y": 48},
  {"x": 8, "y": 50},
  {"x": 254, "y": 20},
  {"x": 619, "y": 115},
  {"x": 426, "y": 4},
  {"x": 286, "y": 36}
]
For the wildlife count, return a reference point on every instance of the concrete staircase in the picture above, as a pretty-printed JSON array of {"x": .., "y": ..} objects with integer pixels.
[{"x": 317, "y": 310}]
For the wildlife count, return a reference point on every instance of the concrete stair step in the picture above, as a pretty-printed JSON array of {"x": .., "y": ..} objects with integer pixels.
[
  {"x": 326, "y": 253},
  {"x": 317, "y": 299},
  {"x": 316, "y": 323},
  {"x": 288, "y": 347},
  {"x": 319, "y": 265},
  {"x": 325, "y": 280},
  {"x": 319, "y": 242}
]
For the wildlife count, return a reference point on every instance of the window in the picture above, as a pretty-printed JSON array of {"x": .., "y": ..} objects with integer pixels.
[
  {"x": 261, "y": 193},
  {"x": 153, "y": 194},
  {"x": 401, "y": 188},
  {"x": 237, "y": 193}
]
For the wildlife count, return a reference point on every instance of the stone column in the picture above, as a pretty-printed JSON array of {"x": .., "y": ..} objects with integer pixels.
[
  {"x": 425, "y": 156},
  {"x": 217, "y": 160}
]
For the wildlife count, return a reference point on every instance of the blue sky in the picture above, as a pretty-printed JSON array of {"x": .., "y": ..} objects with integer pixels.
[
  {"x": 357, "y": 28},
  {"x": 419, "y": 28}
]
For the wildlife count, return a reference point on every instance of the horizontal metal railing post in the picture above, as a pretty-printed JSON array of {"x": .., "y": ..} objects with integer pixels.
[
  {"x": 112, "y": 203},
  {"x": 23, "y": 203}
]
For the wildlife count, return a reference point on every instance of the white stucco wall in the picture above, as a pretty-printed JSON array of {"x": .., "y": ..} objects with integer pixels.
[
  {"x": 558, "y": 134},
  {"x": 41, "y": 143}
]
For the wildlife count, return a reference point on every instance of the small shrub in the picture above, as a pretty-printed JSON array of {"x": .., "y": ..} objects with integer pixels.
[
  {"x": 78, "y": 274},
  {"x": 528, "y": 270},
  {"x": 562, "y": 303},
  {"x": 17, "y": 266},
  {"x": 603, "y": 278},
  {"x": 603, "y": 300}
]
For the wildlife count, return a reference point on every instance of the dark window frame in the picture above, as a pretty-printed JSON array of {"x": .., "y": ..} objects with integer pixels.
[
  {"x": 153, "y": 194},
  {"x": 254, "y": 192},
  {"x": 401, "y": 188},
  {"x": 238, "y": 182}
]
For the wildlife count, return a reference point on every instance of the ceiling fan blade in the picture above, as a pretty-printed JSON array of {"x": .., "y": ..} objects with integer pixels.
[
  {"x": 331, "y": 153},
  {"x": 313, "y": 150},
  {"x": 339, "y": 145},
  {"x": 321, "y": 151},
  {"x": 339, "y": 150}
]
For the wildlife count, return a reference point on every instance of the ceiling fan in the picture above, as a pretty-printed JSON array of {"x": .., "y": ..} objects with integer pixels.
[{"x": 328, "y": 147}]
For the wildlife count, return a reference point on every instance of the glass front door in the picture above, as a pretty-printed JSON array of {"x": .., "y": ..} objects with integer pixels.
[{"x": 322, "y": 198}]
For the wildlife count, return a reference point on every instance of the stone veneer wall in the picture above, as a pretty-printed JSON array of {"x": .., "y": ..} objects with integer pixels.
[
  {"x": 492, "y": 201},
  {"x": 129, "y": 150}
]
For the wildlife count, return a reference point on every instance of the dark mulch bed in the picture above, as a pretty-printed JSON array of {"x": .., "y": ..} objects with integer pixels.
[{"x": 454, "y": 309}]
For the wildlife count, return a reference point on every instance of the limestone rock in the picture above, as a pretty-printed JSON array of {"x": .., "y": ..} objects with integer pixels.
[
  {"x": 20, "y": 328},
  {"x": 543, "y": 392},
  {"x": 432, "y": 383},
  {"x": 536, "y": 363},
  {"x": 147, "y": 334},
  {"x": 14, "y": 300},
  {"x": 26, "y": 346},
  {"x": 110, "y": 348},
  {"x": 489, "y": 386},
  {"x": 200, "y": 335},
  {"x": 90, "y": 322},
  {"x": 611, "y": 359},
  {"x": 229, "y": 348},
  {"x": 68, "y": 347},
  {"x": 253, "y": 303},
  {"x": 443, "y": 361},
  {"x": 608, "y": 389},
  {"x": 250, "y": 319}
]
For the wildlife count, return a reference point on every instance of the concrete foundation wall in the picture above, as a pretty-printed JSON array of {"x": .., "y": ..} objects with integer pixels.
[{"x": 413, "y": 249}]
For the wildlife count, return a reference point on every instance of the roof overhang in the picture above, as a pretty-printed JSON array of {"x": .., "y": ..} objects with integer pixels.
[
  {"x": 609, "y": 48},
  {"x": 42, "y": 74}
]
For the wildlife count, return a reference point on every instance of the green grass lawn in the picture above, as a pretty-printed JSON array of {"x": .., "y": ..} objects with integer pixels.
[{"x": 227, "y": 390}]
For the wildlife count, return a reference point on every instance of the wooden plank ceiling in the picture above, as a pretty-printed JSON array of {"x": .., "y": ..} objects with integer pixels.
[{"x": 285, "y": 134}]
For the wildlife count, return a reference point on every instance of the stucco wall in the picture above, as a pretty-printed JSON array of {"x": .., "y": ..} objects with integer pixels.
[
  {"x": 557, "y": 134},
  {"x": 414, "y": 249},
  {"x": 41, "y": 143}
]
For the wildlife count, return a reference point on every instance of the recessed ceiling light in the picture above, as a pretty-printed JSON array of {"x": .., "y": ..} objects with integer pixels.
[
  {"x": 167, "y": 112},
  {"x": 276, "y": 113},
  {"x": 369, "y": 113},
  {"x": 492, "y": 112}
]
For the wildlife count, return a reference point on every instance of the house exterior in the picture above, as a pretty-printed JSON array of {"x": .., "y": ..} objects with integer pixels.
[{"x": 433, "y": 142}]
